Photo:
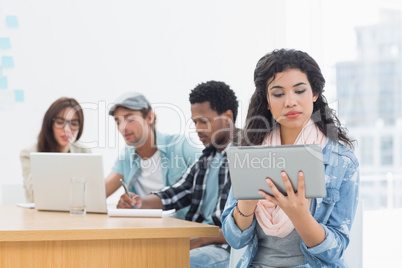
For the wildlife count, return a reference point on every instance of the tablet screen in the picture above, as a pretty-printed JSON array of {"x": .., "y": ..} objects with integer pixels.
[{"x": 249, "y": 166}]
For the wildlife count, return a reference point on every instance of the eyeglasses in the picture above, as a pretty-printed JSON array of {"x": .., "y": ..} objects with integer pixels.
[{"x": 60, "y": 123}]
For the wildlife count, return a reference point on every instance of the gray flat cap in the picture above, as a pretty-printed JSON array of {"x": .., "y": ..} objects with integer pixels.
[{"x": 130, "y": 100}]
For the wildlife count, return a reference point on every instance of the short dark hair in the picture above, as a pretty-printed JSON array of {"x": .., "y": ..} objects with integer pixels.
[
  {"x": 219, "y": 95},
  {"x": 46, "y": 140}
]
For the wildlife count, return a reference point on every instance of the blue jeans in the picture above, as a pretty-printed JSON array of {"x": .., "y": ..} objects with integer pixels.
[{"x": 209, "y": 256}]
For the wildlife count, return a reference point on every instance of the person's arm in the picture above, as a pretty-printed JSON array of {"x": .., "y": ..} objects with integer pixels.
[
  {"x": 112, "y": 182},
  {"x": 234, "y": 236},
  {"x": 87, "y": 150},
  {"x": 179, "y": 195},
  {"x": 120, "y": 169},
  {"x": 25, "y": 159},
  {"x": 337, "y": 211},
  {"x": 196, "y": 242},
  {"x": 80, "y": 147},
  {"x": 184, "y": 188}
]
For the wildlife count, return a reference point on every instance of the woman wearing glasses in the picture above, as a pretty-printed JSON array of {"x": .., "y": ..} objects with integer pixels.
[{"x": 62, "y": 126}]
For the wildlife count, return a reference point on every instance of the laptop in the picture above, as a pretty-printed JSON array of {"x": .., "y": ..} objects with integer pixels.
[
  {"x": 249, "y": 166},
  {"x": 51, "y": 174}
]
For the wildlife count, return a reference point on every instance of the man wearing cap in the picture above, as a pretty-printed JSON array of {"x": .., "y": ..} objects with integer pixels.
[
  {"x": 151, "y": 160},
  {"x": 205, "y": 186}
]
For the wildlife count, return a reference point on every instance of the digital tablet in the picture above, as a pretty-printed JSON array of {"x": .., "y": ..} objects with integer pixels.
[{"x": 249, "y": 166}]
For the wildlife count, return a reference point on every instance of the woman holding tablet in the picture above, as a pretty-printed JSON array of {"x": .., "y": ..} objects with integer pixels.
[
  {"x": 62, "y": 127},
  {"x": 288, "y": 107}
]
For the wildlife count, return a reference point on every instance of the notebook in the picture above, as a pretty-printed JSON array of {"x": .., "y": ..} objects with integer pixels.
[
  {"x": 147, "y": 213},
  {"x": 51, "y": 174},
  {"x": 249, "y": 166}
]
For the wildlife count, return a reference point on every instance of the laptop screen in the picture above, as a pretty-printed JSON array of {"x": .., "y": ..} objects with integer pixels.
[{"x": 51, "y": 174}]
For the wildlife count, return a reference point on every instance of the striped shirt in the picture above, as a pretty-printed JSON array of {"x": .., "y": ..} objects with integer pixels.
[{"x": 190, "y": 189}]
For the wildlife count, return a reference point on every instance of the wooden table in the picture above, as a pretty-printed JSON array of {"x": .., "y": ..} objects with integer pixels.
[{"x": 31, "y": 238}]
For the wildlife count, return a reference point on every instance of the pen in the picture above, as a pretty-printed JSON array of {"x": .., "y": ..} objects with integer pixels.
[{"x": 126, "y": 189}]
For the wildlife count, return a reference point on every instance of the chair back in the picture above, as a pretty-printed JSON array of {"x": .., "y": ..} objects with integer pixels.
[
  {"x": 235, "y": 255},
  {"x": 354, "y": 253}
]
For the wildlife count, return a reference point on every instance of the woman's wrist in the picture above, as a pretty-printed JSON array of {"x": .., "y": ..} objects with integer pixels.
[{"x": 246, "y": 210}]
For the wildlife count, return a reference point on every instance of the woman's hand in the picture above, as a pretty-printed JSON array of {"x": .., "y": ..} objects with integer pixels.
[
  {"x": 297, "y": 208},
  {"x": 295, "y": 205}
]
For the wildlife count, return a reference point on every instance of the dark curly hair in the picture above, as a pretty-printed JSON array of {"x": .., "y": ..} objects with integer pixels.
[
  {"x": 218, "y": 94},
  {"x": 260, "y": 121}
]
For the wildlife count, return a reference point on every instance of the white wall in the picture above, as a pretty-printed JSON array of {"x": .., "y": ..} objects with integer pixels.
[{"x": 95, "y": 50}]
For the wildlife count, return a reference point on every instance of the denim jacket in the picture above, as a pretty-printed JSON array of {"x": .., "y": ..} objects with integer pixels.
[{"x": 335, "y": 212}]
